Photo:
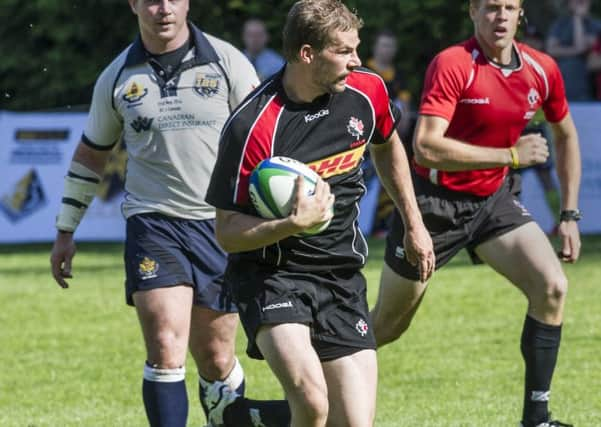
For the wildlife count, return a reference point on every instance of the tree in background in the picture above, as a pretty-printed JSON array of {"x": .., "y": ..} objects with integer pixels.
[{"x": 52, "y": 51}]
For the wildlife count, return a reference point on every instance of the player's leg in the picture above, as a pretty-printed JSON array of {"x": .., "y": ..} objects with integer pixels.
[
  {"x": 158, "y": 284},
  {"x": 287, "y": 348},
  {"x": 164, "y": 315},
  {"x": 526, "y": 257},
  {"x": 212, "y": 341},
  {"x": 398, "y": 301},
  {"x": 347, "y": 378}
]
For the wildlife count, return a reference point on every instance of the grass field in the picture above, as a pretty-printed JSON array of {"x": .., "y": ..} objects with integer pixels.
[{"x": 74, "y": 357}]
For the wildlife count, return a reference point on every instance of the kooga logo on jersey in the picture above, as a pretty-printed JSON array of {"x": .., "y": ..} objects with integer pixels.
[{"x": 318, "y": 115}]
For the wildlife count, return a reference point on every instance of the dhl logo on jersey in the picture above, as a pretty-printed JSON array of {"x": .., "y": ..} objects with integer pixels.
[{"x": 338, "y": 163}]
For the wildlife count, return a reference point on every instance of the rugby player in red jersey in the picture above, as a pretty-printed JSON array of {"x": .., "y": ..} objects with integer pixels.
[{"x": 478, "y": 97}]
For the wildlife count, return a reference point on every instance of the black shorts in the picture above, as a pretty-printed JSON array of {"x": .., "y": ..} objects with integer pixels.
[
  {"x": 333, "y": 304},
  {"x": 162, "y": 251},
  {"x": 457, "y": 220}
]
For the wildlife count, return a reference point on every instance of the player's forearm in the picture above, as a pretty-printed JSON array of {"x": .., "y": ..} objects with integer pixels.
[
  {"x": 237, "y": 232},
  {"x": 568, "y": 171},
  {"x": 393, "y": 169},
  {"x": 450, "y": 155}
]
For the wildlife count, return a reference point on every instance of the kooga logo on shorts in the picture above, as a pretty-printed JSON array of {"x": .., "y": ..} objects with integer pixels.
[{"x": 287, "y": 304}]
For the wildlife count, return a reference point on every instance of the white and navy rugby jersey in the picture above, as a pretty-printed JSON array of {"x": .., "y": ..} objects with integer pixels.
[
  {"x": 170, "y": 127},
  {"x": 330, "y": 135}
]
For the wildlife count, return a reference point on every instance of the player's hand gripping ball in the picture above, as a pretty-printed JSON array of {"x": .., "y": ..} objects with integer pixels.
[{"x": 272, "y": 187}]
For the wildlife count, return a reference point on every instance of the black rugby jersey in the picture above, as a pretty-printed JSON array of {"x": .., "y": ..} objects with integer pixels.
[{"x": 329, "y": 134}]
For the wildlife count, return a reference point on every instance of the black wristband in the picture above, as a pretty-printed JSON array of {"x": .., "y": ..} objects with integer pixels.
[{"x": 570, "y": 215}]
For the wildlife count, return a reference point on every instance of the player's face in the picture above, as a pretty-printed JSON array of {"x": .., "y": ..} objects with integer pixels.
[
  {"x": 161, "y": 21},
  {"x": 336, "y": 61},
  {"x": 495, "y": 23}
]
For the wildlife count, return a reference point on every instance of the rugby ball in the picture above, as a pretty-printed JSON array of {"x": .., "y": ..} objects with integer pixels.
[{"x": 272, "y": 187}]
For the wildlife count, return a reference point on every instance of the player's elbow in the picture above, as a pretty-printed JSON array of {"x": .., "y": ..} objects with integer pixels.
[{"x": 425, "y": 154}]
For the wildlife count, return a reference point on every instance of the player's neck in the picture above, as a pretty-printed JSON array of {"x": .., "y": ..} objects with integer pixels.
[
  {"x": 298, "y": 86},
  {"x": 498, "y": 55},
  {"x": 158, "y": 46}
]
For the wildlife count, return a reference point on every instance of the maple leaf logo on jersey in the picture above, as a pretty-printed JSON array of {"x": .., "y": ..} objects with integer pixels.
[
  {"x": 355, "y": 127},
  {"x": 533, "y": 97}
]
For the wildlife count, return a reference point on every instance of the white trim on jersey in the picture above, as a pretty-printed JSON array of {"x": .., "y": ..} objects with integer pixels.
[
  {"x": 470, "y": 80},
  {"x": 373, "y": 110},
  {"x": 385, "y": 90},
  {"x": 248, "y": 137},
  {"x": 540, "y": 70},
  {"x": 275, "y": 128}
]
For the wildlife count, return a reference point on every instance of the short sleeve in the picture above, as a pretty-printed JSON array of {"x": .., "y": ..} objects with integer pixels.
[
  {"x": 104, "y": 125},
  {"x": 556, "y": 105},
  {"x": 242, "y": 75},
  {"x": 444, "y": 83}
]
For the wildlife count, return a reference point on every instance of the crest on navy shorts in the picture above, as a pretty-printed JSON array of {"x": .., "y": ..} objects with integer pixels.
[
  {"x": 25, "y": 198},
  {"x": 148, "y": 268},
  {"x": 207, "y": 85},
  {"x": 135, "y": 92},
  {"x": 361, "y": 327},
  {"x": 355, "y": 127}
]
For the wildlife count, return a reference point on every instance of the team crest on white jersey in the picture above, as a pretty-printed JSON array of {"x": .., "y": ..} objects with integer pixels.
[
  {"x": 533, "y": 98},
  {"x": 135, "y": 92},
  {"x": 206, "y": 85},
  {"x": 361, "y": 327},
  {"x": 355, "y": 127}
]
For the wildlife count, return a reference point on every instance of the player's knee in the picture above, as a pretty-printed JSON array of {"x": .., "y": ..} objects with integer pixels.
[
  {"x": 310, "y": 402},
  {"x": 388, "y": 329},
  {"x": 215, "y": 363},
  {"x": 554, "y": 291},
  {"x": 167, "y": 350}
]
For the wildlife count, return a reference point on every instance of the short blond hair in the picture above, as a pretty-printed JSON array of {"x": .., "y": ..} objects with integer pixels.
[{"x": 312, "y": 22}]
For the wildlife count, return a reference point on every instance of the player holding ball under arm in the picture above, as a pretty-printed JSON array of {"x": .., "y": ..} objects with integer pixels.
[
  {"x": 478, "y": 97},
  {"x": 302, "y": 300}
]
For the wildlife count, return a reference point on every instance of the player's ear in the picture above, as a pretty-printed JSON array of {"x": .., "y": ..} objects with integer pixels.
[
  {"x": 306, "y": 54},
  {"x": 132, "y": 6}
]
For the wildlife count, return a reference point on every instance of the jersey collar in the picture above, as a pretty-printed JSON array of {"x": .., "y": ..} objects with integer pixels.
[{"x": 204, "y": 53}]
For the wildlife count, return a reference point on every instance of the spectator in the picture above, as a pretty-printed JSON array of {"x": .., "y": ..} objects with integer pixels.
[
  {"x": 570, "y": 40},
  {"x": 255, "y": 38},
  {"x": 377, "y": 206}
]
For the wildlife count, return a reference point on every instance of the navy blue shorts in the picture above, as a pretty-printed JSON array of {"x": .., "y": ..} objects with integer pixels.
[{"x": 162, "y": 251}]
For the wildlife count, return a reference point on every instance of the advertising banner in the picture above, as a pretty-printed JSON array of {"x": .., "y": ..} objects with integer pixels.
[{"x": 35, "y": 153}]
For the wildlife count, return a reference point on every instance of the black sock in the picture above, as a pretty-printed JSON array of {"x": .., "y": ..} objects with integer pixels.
[
  {"x": 250, "y": 413},
  {"x": 540, "y": 346}
]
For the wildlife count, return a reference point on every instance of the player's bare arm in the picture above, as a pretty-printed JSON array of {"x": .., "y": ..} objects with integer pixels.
[
  {"x": 434, "y": 150},
  {"x": 64, "y": 247},
  {"x": 392, "y": 165},
  {"x": 569, "y": 172},
  {"x": 238, "y": 232}
]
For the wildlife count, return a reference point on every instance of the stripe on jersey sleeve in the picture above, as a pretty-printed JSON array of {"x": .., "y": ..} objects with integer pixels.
[
  {"x": 374, "y": 88},
  {"x": 258, "y": 145}
]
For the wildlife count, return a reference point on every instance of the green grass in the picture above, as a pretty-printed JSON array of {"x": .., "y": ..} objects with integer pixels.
[{"x": 74, "y": 357}]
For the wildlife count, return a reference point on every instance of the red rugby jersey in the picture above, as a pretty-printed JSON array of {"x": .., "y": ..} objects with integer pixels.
[{"x": 487, "y": 105}]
